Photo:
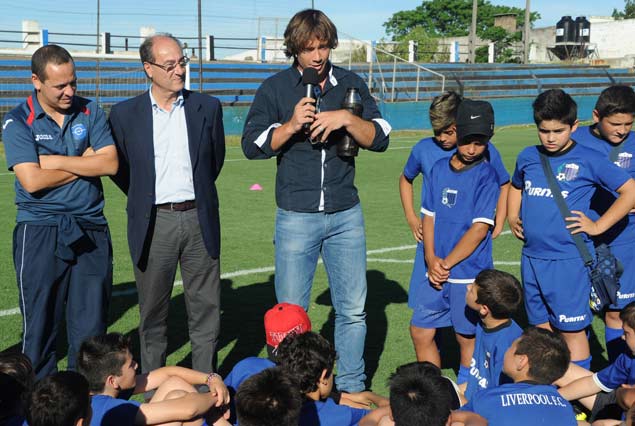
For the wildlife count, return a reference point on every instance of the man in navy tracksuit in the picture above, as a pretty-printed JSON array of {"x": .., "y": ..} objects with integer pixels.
[{"x": 59, "y": 145}]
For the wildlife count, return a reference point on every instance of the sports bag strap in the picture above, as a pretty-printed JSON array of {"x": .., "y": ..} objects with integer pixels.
[{"x": 564, "y": 210}]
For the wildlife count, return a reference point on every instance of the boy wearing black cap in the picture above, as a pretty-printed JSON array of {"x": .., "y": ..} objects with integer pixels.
[
  {"x": 458, "y": 207},
  {"x": 423, "y": 156}
]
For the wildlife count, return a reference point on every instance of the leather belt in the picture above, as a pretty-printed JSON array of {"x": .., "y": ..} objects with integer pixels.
[{"x": 178, "y": 207}]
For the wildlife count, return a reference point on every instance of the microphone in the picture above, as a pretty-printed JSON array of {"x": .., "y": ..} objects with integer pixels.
[{"x": 311, "y": 80}]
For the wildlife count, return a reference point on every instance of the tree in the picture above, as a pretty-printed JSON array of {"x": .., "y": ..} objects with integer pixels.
[
  {"x": 453, "y": 18},
  {"x": 627, "y": 13},
  {"x": 450, "y": 18}
]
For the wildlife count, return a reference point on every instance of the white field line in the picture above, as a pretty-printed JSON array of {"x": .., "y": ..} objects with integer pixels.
[{"x": 243, "y": 272}]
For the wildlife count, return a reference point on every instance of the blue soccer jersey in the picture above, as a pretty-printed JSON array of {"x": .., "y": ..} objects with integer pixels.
[
  {"x": 428, "y": 151},
  {"x": 29, "y": 132},
  {"x": 457, "y": 199},
  {"x": 486, "y": 367},
  {"x": 522, "y": 404},
  {"x": 109, "y": 411},
  {"x": 623, "y": 232},
  {"x": 328, "y": 413},
  {"x": 578, "y": 171},
  {"x": 621, "y": 372}
]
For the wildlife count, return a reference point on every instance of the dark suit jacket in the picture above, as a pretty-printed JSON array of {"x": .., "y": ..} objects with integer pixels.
[{"x": 131, "y": 124}]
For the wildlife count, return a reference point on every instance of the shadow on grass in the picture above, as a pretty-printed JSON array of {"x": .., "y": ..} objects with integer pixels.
[
  {"x": 243, "y": 311},
  {"x": 381, "y": 293}
]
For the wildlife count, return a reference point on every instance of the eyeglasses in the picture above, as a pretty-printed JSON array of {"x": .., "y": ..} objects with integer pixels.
[{"x": 169, "y": 68}]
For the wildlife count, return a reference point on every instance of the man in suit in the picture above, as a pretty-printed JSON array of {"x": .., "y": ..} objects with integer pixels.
[{"x": 171, "y": 146}]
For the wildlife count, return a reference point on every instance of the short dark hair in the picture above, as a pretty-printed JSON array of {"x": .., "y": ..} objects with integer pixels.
[
  {"x": 443, "y": 110},
  {"x": 59, "y": 400},
  {"x": 555, "y": 104},
  {"x": 306, "y": 25},
  {"x": 618, "y": 99},
  {"x": 627, "y": 315},
  {"x": 16, "y": 381},
  {"x": 102, "y": 356},
  {"x": 420, "y": 395},
  {"x": 499, "y": 291},
  {"x": 145, "y": 49},
  {"x": 547, "y": 353},
  {"x": 304, "y": 357},
  {"x": 49, "y": 54},
  {"x": 269, "y": 398}
]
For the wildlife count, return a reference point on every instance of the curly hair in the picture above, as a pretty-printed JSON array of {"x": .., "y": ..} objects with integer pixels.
[{"x": 304, "y": 357}]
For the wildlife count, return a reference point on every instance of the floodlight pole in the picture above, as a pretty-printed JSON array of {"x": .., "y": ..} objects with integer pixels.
[
  {"x": 200, "y": 49},
  {"x": 526, "y": 44},
  {"x": 472, "y": 42}
]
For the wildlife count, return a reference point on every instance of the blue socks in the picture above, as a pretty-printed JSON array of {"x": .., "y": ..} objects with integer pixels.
[
  {"x": 584, "y": 363},
  {"x": 614, "y": 343},
  {"x": 464, "y": 373}
]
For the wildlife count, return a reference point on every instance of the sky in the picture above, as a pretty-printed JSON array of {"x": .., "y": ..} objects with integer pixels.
[{"x": 241, "y": 18}]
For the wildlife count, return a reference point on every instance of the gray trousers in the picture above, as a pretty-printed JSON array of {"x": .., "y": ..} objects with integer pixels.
[{"x": 177, "y": 239}]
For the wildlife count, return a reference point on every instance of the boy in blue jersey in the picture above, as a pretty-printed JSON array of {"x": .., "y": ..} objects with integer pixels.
[
  {"x": 269, "y": 398},
  {"x": 107, "y": 364},
  {"x": 555, "y": 279},
  {"x": 611, "y": 135},
  {"x": 458, "y": 209},
  {"x": 422, "y": 157},
  {"x": 495, "y": 295},
  {"x": 16, "y": 381},
  {"x": 309, "y": 359},
  {"x": 421, "y": 395},
  {"x": 618, "y": 379},
  {"x": 61, "y": 399},
  {"x": 534, "y": 361}
]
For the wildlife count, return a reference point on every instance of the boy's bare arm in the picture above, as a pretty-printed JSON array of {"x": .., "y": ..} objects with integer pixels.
[
  {"x": 438, "y": 273},
  {"x": 373, "y": 418},
  {"x": 102, "y": 162},
  {"x": 365, "y": 399},
  {"x": 156, "y": 378},
  {"x": 466, "y": 418},
  {"x": 413, "y": 219},
  {"x": 514, "y": 198},
  {"x": 501, "y": 210},
  {"x": 181, "y": 409},
  {"x": 580, "y": 388},
  {"x": 620, "y": 208},
  {"x": 468, "y": 243}
]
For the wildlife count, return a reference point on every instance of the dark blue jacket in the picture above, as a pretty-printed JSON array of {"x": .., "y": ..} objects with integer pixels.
[{"x": 131, "y": 124}]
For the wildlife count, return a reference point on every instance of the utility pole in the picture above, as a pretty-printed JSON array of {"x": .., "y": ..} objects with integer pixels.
[
  {"x": 472, "y": 41},
  {"x": 526, "y": 44}
]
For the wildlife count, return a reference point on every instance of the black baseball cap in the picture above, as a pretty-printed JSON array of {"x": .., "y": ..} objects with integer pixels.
[{"x": 474, "y": 118}]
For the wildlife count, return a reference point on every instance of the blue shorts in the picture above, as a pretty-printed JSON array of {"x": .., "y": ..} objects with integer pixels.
[
  {"x": 418, "y": 277},
  {"x": 434, "y": 308},
  {"x": 625, "y": 254},
  {"x": 557, "y": 291}
]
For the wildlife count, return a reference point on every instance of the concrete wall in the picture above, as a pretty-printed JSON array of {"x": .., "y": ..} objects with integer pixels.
[
  {"x": 612, "y": 41},
  {"x": 414, "y": 115}
]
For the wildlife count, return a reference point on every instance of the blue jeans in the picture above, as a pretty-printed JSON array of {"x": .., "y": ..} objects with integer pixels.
[{"x": 340, "y": 237}]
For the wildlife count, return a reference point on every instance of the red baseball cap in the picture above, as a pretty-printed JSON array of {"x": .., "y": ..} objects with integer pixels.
[{"x": 283, "y": 319}]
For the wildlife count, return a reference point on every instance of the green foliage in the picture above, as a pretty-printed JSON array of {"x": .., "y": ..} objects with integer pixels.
[
  {"x": 627, "y": 13},
  {"x": 450, "y": 18}
]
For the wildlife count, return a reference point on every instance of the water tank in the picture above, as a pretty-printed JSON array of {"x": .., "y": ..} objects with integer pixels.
[
  {"x": 582, "y": 30},
  {"x": 565, "y": 30}
]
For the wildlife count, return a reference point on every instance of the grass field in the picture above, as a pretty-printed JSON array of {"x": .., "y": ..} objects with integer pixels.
[{"x": 247, "y": 220}]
